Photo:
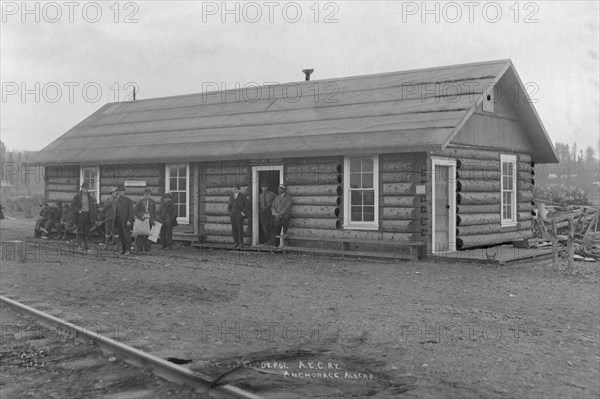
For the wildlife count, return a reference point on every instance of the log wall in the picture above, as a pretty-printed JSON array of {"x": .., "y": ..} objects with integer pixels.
[
  {"x": 63, "y": 182},
  {"x": 478, "y": 197}
]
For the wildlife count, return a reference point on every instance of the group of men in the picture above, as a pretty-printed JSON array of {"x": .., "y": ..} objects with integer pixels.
[
  {"x": 275, "y": 212},
  {"x": 116, "y": 216}
]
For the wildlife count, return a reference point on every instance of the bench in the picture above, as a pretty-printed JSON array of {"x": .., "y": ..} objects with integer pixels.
[{"x": 415, "y": 248}]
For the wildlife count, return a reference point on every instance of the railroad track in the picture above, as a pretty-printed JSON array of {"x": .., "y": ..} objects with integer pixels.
[{"x": 159, "y": 367}]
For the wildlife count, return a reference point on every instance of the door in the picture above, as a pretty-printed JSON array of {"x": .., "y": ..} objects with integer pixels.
[
  {"x": 444, "y": 206},
  {"x": 272, "y": 176}
]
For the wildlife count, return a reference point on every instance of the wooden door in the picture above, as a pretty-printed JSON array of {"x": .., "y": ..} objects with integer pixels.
[{"x": 442, "y": 208}]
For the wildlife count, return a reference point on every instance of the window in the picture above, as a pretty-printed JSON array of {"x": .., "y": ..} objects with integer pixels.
[
  {"x": 177, "y": 182},
  {"x": 508, "y": 189},
  {"x": 90, "y": 174},
  {"x": 361, "y": 192}
]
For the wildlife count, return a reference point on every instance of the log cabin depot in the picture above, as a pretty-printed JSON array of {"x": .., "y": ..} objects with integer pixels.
[{"x": 442, "y": 155}]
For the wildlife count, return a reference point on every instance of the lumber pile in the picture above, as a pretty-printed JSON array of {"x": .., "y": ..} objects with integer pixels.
[{"x": 571, "y": 230}]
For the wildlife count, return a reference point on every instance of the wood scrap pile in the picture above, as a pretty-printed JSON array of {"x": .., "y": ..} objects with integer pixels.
[{"x": 575, "y": 225}]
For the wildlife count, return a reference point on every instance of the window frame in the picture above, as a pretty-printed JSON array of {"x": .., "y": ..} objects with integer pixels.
[
  {"x": 348, "y": 224},
  {"x": 180, "y": 220},
  {"x": 82, "y": 179},
  {"x": 512, "y": 221}
]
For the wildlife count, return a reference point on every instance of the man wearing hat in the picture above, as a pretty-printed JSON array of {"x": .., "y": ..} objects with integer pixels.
[
  {"x": 168, "y": 217},
  {"x": 109, "y": 206},
  {"x": 237, "y": 208},
  {"x": 124, "y": 215},
  {"x": 282, "y": 211},
  {"x": 145, "y": 209},
  {"x": 84, "y": 210}
]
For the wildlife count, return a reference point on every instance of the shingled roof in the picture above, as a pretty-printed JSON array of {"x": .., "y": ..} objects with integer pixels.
[{"x": 417, "y": 110}]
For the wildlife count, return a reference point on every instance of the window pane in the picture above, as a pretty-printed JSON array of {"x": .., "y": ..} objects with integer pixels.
[
  {"x": 369, "y": 197},
  {"x": 173, "y": 171},
  {"x": 369, "y": 213},
  {"x": 181, "y": 183},
  {"x": 173, "y": 184},
  {"x": 355, "y": 180},
  {"x": 509, "y": 183},
  {"x": 367, "y": 180},
  {"x": 356, "y": 214},
  {"x": 356, "y": 197},
  {"x": 367, "y": 165},
  {"x": 182, "y": 211},
  {"x": 182, "y": 170},
  {"x": 354, "y": 164}
]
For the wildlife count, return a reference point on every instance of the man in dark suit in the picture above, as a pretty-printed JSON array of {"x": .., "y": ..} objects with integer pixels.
[
  {"x": 124, "y": 214},
  {"x": 84, "y": 209},
  {"x": 237, "y": 208},
  {"x": 168, "y": 217}
]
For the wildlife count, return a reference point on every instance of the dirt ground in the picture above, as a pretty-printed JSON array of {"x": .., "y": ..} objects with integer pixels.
[{"x": 315, "y": 326}]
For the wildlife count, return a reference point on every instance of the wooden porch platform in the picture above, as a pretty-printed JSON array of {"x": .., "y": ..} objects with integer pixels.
[{"x": 501, "y": 254}]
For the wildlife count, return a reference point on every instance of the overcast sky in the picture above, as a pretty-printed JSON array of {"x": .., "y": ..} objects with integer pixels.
[{"x": 78, "y": 56}]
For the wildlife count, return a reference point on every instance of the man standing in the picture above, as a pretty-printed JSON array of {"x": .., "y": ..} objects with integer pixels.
[
  {"x": 237, "y": 208},
  {"x": 84, "y": 209},
  {"x": 109, "y": 206},
  {"x": 265, "y": 200},
  {"x": 282, "y": 211},
  {"x": 124, "y": 214},
  {"x": 145, "y": 209},
  {"x": 168, "y": 218}
]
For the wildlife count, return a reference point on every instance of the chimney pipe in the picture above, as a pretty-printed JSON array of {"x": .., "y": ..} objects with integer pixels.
[{"x": 307, "y": 72}]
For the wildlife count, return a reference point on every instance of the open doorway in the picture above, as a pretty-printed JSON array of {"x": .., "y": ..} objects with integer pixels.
[{"x": 272, "y": 177}]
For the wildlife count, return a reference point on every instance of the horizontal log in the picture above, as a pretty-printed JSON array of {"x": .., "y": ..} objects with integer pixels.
[
  {"x": 315, "y": 223},
  {"x": 490, "y": 198},
  {"x": 225, "y": 168},
  {"x": 222, "y": 229},
  {"x": 478, "y": 209},
  {"x": 476, "y": 153},
  {"x": 215, "y": 219},
  {"x": 524, "y": 207},
  {"x": 368, "y": 235},
  {"x": 225, "y": 180},
  {"x": 403, "y": 157},
  {"x": 216, "y": 209},
  {"x": 56, "y": 196},
  {"x": 317, "y": 200},
  {"x": 524, "y": 196},
  {"x": 316, "y": 160},
  {"x": 403, "y": 166},
  {"x": 402, "y": 201},
  {"x": 222, "y": 199},
  {"x": 63, "y": 188},
  {"x": 524, "y": 185},
  {"x": 472, "y": 219},
  {"x": 525, "y": 176},
  {"x": 477, "y": 185},
  {"x": 524, "y": 167},
  {"x": 225, "y": 191},
  {"x": 314, "y": 190},
  {"x": 524, "y": 216},
  {"x": 402, "y": 177},
  {"x": 317, "y": 178},
  {"x": 398, "y": 188},
  {"x": 491, "y": 228},
  {"x": 477, "y": 164},
  {"x": 473, "y": 174},
  {"x": 150, "y": 181},
  {"x": 132, "y": 172},
  {"x": 310, "y": 211},
  {"x": 402, "y": 226},
  {"x": 480, "y": 240},
  {"x": 401, "y": 213}
]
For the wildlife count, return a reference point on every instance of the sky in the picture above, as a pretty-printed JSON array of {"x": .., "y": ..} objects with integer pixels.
[{"x": 61, "y": 61}]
